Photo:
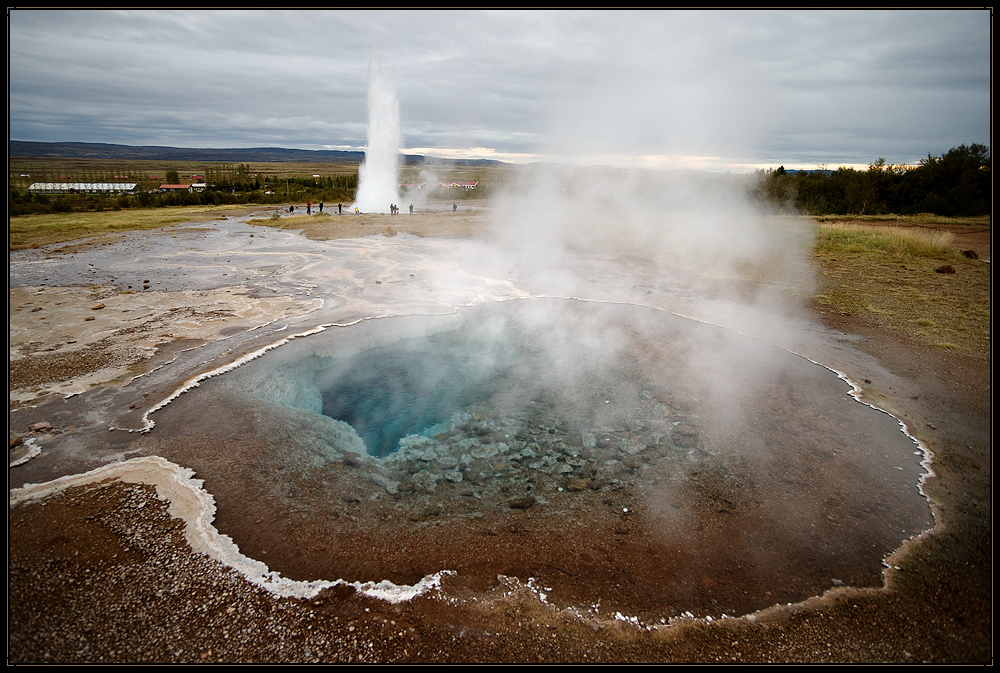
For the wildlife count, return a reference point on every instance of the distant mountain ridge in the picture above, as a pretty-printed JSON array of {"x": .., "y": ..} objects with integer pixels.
[{"x": 39, "y": 150}]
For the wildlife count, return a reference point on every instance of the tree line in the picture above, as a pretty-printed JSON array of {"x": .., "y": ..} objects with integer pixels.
[
  {"x": 239, "y": 178},
  {"x": 955, "y": 184}
]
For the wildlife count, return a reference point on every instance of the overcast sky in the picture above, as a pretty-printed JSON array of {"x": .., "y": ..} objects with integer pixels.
[{"x": 714, "y": 89}]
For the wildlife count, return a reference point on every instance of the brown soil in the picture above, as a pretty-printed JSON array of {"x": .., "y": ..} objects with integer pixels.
[
  {"x": 466, "y": 221},
  {"x": 103, "y": 572}
]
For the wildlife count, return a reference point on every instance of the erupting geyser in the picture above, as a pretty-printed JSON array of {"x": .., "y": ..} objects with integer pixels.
[{"x": 378, "y": 184}]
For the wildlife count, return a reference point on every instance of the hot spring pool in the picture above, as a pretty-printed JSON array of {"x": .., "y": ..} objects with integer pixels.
[{"x": 622, "y": 455}]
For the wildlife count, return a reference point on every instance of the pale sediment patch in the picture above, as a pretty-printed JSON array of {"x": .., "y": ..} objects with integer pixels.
[
  {"x": 66, "y": 340},
  {"x": 24, "y": 452}
]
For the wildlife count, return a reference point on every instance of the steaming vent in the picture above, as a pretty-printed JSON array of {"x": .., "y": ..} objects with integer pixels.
[
  {"x": 424, "y": 381},
  {"x": 414, "y": 387}
]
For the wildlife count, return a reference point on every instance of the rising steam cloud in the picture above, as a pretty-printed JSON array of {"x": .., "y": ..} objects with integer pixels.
[{"x": 703, "y": 231}]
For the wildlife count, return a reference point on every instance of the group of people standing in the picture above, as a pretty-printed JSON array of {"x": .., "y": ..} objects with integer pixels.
[
  {"x": 340, "y": 208},
  {"x": 393, "y": 208}
]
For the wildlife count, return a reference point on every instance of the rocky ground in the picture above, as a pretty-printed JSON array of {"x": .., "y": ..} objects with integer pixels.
[{"x": 105, "y": 571}]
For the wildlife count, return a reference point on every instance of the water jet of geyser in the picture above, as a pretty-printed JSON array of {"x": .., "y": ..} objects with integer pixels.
[{"x": 378, "y": 182}]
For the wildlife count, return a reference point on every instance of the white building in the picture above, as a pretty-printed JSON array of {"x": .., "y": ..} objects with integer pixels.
[{"x": 83, "y": 188}]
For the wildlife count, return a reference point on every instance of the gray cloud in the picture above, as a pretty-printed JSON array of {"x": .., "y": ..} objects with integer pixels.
[{"x": 734, "y": 87}]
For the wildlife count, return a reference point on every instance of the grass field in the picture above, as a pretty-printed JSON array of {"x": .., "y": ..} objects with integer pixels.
[
  {"x": 23, "y": 171},
  {"x": 33, "y": 231},
  {"x": 86, "y": 170},
  {"x": 908, "y": 280},
  {"x": 920, "y": 219}
]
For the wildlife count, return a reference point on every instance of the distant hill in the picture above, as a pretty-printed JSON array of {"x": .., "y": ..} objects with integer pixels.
[{"x": 37, "y": 150}]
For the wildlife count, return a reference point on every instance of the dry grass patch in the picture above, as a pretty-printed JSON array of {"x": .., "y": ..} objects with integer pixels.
[
  {"x": 892, "y": 278},
  {"x": 34, "y": 231},
  {"x": 920, "y": 219},
  {"x": 897, "y": 242}
]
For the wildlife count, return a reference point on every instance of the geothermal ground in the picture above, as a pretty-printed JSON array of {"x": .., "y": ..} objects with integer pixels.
[{"x": 198, "y": 517}]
